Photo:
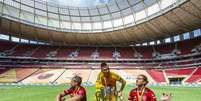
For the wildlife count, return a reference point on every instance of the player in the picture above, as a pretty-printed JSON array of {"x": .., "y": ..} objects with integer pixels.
[
  {"x": 106, "y": 85},
  {"x": 76, "y": 92},
  {"x": 142, "y": 93}
]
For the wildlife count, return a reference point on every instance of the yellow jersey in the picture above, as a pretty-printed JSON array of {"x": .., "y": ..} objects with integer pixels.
[{"x": 102, "y": 81}]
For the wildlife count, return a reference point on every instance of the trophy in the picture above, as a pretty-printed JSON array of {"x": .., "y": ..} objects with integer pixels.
[{"x": 107, "y": 93}]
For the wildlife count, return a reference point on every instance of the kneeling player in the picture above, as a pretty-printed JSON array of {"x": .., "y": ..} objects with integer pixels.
[
  {"x": 76, "y": 92},
  {"x": 142, "y": 93}
]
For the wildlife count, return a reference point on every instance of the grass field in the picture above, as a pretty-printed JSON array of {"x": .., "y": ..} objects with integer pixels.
[{"x": 48, "y": 93}]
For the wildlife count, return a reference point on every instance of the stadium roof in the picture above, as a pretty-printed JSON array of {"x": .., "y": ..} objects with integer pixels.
[{"x": 99, "y": 21}]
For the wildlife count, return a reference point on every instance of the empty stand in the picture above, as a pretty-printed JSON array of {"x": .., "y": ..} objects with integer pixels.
[
  {"x": 165, "y": 50},
  {"x": 131, "y": 75},
  {"x": 126, "y": 53},
  {"x": 186, "y": 46},
  {"x": 65, "y": 77},
  {"x": 157, "y": 75},
  {"x": 85, "y": 53},
  {"x": 8, "y": 76},
  {"x": 63, "y": 52},
  {"x": 21, "y": 50},
  {"x": 6, "y": 45},
  {"x": 23, "y": 73},
  {"x": 146, "y": 52},
  {"x": 44, "y": 76},
  {"x": 60, "y": 76},
  {"x": 177, "y": 72},
  {"x": 105, "y": 53},
  {"x": 43, "y": 51},
  {"x": 2, "y": 70},
  {"x": 195, "y": 76}
]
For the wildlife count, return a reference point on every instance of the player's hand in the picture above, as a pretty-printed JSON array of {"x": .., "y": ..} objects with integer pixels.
[
  {"x": 63, "y": 99},
  {"x": 166, "y": 97},
  {"x": 120, "y": 94},
  {"x": 60, "y": 98}
]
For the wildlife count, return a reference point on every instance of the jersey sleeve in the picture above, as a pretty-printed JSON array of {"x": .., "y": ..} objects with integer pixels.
[
  {"x": 115, "y": 76},
  {"x": 130, "y": 96},
  {"x": 81, "y": 92},
  {"x": 152, "y": 96},
  {"x": 120, "y": 79},
  {"x": 99, "y": 82},
  {"x": 68, "y": 91}
]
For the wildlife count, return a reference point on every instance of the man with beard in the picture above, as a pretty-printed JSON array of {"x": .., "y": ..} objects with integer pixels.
[
  {"x": 76, "y": 92},
  {"x": 106, "y": 85},
  {"x": 142, "y": 93}
]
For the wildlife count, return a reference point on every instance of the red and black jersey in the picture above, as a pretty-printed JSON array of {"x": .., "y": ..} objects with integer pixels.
[
  {"x": 79, "y": 91},
  {"x": 146, "y": 95}
]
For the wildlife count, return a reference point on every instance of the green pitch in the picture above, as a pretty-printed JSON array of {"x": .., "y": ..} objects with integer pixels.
[{"x": 48, "y": 93}]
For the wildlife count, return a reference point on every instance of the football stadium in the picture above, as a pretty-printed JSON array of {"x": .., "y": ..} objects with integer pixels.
[{"x": 100, "y": 50}]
